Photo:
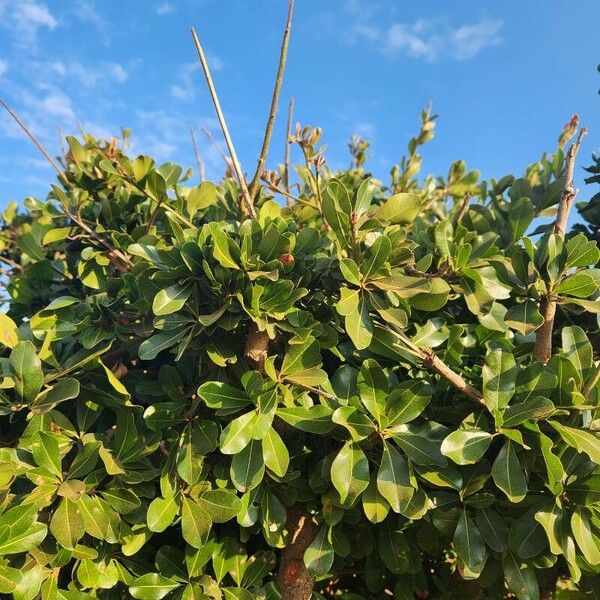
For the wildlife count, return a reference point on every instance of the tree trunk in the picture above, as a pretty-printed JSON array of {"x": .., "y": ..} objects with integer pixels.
[{"x": 294, "y": 579}]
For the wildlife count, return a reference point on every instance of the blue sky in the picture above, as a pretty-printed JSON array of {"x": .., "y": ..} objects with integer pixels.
[{"x": 503, "y": 76}]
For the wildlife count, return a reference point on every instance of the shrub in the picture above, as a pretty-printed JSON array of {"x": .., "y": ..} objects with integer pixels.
[{"x": 365, "y": 392}]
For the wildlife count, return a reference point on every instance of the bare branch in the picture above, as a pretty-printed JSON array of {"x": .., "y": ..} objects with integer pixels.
[
  {"x": 201, "y": 173},
  {"x": 37, "y": 144},
  {"x": 311, "y": 389},
  {"x": 211, "y": 139},
  {"x": 246, "y": 199},
  {"x": 285, "y": 42},
  {"x": 542, "y": 349},
  {"x": 453, "y": 378},
  {"x": 286, "y": 154}
]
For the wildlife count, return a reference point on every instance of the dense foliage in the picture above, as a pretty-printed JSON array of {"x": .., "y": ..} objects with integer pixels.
[{"x": 184, "y": 390}]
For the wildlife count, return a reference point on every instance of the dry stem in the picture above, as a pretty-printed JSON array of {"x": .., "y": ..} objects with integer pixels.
[
  {"x": 285, "y": 42},
  {"x": 286, "y": 160},
  {"x": 246, "y": 199}
]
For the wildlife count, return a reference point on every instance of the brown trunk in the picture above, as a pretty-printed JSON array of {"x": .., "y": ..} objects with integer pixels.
[
  {"x": 294, "y": 579},
  {"x": 542, "y": 350}
]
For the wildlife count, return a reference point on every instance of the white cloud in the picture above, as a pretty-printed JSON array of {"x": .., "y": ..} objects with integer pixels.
[
  {"x": 87, "y": 75},
  {"x": 3, "y": 67},
  {"x": 57, "y": 104},
  {"x": 469, "y": 40},
  {"x": 24, "y": 18},
  {"x": 185, "y": 88},
  {"x": 85, "y": 10},
  {"x": 165, "y": 8},
  {"x": 426, "y": 39}
]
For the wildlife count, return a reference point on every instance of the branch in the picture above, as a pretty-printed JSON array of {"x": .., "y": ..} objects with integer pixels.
[
  {"x": 431, "y": 360},
  {"x": 11, "y": 263},
  {"x": 542, "y": 350},
  {"x": 246, "y": 199},
  {"x": 294, "y": 579},
  {"x": 286, "y": 160},
  {"x": 197, "y": 155},
  {"x": 285, "y": 42},
  {"x": 120, "y": 261},
  {"x": 313, "y": 390},
  {"x": 453, "y": 378}
]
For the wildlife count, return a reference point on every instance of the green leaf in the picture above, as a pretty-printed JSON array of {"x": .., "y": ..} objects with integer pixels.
[
  {"x": 27, "y": 369},
  {"x": 524, "y": 317},
  {"x": 9, "y": 335},
  {"x": 499, "y": 378},
  {"x": 393, "y": 481},
  {"x": 46, "y": 453},
  {"x": 217, "y": 394},
  {"x": 582, "y": 440},
  {"x": 67, "y": 524},
  {"x": 407, "y": 401},
  {"x": 150, "y": 348},
  {"x": 275, "y": 453},
  {"x": 350, "y": 473},
  {"x": 248, "y": 467},
  {"x": 64, "y": 389},
  {"x": 534, "y": 408},
  {"x": 466, "y": 447},
  {"x": 152, "y": 586},
  {"x": 221, "y": 250},
  {"x": 364, "y": 196},
  {"x": 318, "y": 557},
  {"x": 419, "y": 448},
  {"x": 374, "y": 504},
  {"x": 520, "y": 577},
  {"x": 520, "y": 215},
  {"x": 399, "y": 208},
  {"x": 9, "y": 579},
  {"x": 237, "y": 435},
  {"x": 493, "y": 528},
  {"x": 221, "y": 505},
  {"x": 469, "y": 544},
  {"x": 161, "y": 513},
  {"x": 201, "y": 197},
  {"x": 355, "y": 421},
  {"x": 359, "y": 325},
  {"x": 583, "y": 534},
  {"x": 581, "y": 252},
  {"x": 578, "y": 350},
  {"x": 195, "y": 523},
  {"x": 375, "y": 256},
  {"x": 579, "y": 285},
  {"x": 394, "y": 549},
  {"x": 508, "y": 474},
  {"x": 171, "y": 299},
  {"x": 350, "y": 271},
  {"x": 372, "y": 386}
]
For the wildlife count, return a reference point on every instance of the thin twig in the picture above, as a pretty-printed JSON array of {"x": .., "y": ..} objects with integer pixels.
[
  {"x": 197, "y": 154},
  {"x": 464, "y": 208},
  {"x": 211, "y": 138},
  {"x": 542, "y": 349},
  {"x": 120, "y": 260},
  {"x": 285, "y": 42},
  {"x": 311, "y": 389},
  {"x": 11, "y": 263},
  {"x": 30, "y": 135},
  {"x": 436, "y": 364},
  {"x": 286, "y": 160},
  {"x": 452, "y": 377},
  {"x": 246, "y": 199}
]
